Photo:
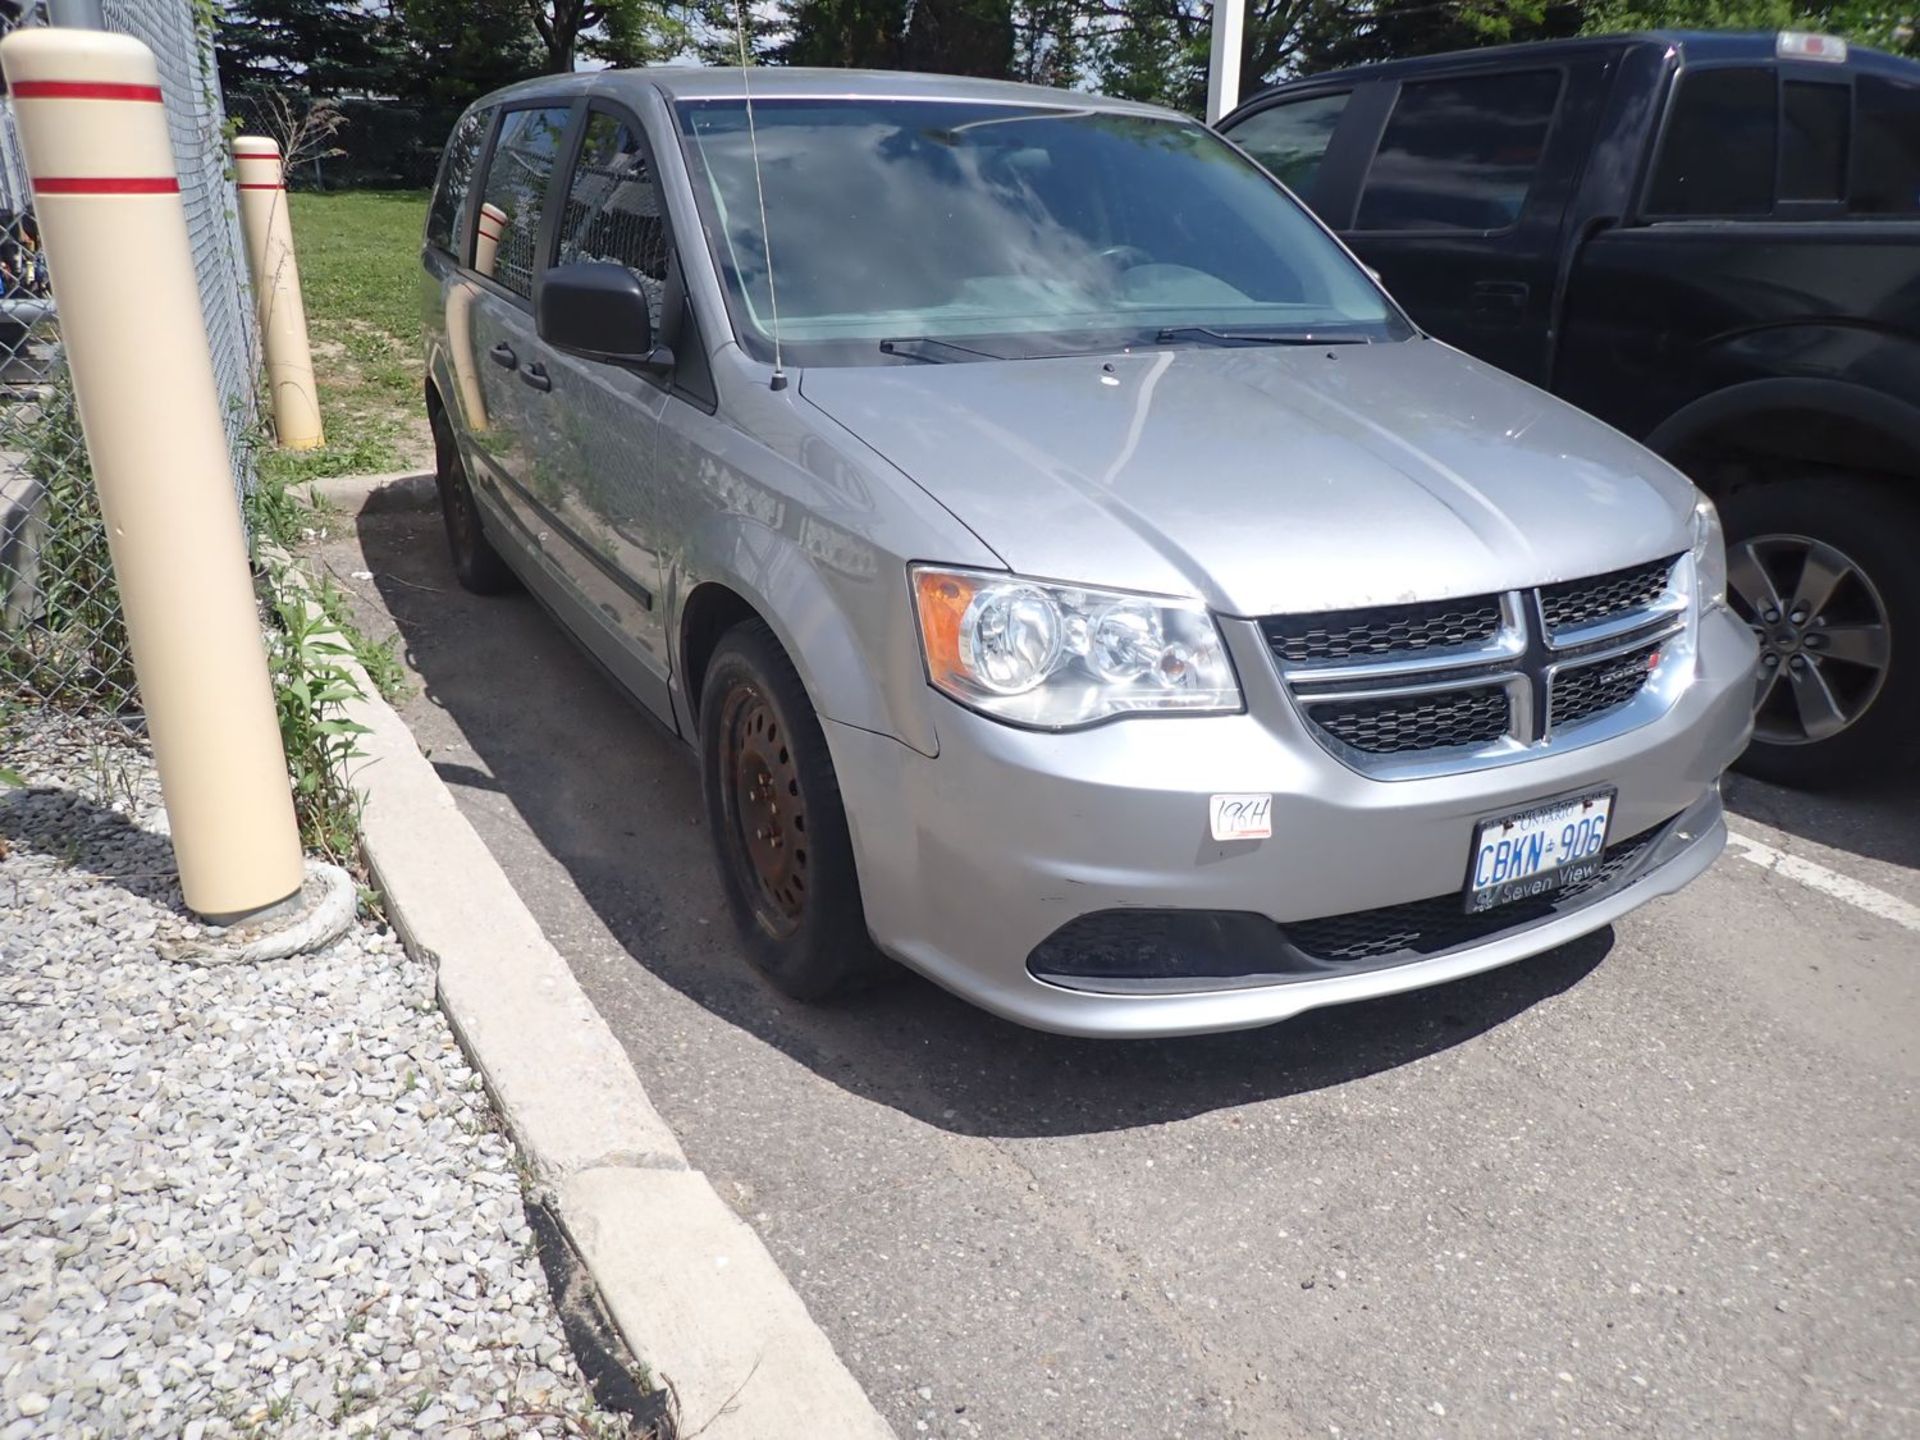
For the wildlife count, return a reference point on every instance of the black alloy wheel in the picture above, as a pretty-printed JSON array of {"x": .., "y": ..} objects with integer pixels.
[{"x": 1823, "y": 570}]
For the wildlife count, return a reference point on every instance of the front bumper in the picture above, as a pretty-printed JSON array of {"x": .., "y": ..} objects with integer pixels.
[{"x": 971, "y": 859}]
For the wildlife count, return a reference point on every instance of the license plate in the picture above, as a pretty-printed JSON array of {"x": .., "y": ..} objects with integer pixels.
[{"x": 1517, "y": 857}]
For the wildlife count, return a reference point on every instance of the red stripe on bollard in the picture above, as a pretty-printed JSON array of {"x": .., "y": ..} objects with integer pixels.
[
  {"x": 106, "y": 185},
  {"x": 246, "y": 186},
  {"x": 84, "y": 90}
]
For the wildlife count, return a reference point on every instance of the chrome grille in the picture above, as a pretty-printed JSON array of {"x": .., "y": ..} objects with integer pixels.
[
  {"x": 1574, "y": 603},
  {"x": 1580, "y": 692},
  {"x": 1422, "y": 688},
  {"x": 1403, "y": 630},
  {"x": 1418, "y": 722}
]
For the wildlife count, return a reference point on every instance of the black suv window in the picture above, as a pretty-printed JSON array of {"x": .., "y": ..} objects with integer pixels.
[
  {"x": 1460, "y": 154},
  {"x": 1886, "y": 148},
  {"x": 613, "y": 207},
  {"x": 1291, "y": 139},
  {"x": 1813, "y": 141},
  {"x": 517, "y": 187},
  {"x": 447, "y": 216},
  {"x": 1718, "y": 155}
]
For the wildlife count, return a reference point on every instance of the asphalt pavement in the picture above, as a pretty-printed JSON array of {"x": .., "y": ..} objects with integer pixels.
[{"x": 1661, "y": 1181}]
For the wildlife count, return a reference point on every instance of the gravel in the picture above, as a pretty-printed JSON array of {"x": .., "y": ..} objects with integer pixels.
[{"x": 245, "y": 1200}]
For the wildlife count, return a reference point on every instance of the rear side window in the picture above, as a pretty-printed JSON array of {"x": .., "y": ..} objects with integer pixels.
[
  {"x": 1460, "y": 154},
  {"x": 1813, "y": 141},
  {"x": 1719, "y": 151},
  {"x": 446, "y": 218},
  {"x": 1886, "y": 148},
  {"x": 516, "y": 185},
  {"x": 613, "y": 208},
  {"x": 1291, "y": 139}
]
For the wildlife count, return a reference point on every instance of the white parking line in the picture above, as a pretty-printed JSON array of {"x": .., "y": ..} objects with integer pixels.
[{"x": 1829, "y": 882}]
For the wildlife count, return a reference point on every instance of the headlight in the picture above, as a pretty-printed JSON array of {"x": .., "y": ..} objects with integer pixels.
[
  {"x": 1057, "y": 656},
  {"x": 1709, "y": 557}
]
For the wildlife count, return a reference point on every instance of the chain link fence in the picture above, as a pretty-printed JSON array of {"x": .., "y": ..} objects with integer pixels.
[{"x": 62, "y": 640}]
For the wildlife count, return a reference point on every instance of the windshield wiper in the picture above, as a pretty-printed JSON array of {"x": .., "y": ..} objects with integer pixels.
[
  {"x": 926, "y": 347},
  {"x": 1253, "y": 337}
]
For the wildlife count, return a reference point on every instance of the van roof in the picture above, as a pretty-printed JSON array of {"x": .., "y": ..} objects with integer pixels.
[{"x": 783, "y": 82}]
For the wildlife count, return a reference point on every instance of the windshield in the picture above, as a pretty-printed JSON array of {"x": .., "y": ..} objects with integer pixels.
[{"x": 1018, "y": 230}]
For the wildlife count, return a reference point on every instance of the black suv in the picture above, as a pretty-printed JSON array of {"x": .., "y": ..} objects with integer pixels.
[{"x": 1711, "y": 241}]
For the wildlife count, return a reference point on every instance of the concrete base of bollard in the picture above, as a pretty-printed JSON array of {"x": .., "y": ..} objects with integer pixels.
[{"x": 312, "y": 919}]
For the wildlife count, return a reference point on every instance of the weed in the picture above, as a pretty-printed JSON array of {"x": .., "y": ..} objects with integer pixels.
[
  {"x": 371, "y": 903},
  {"x": 311, "y": 685},
  {"x": 377, "y": 657}
]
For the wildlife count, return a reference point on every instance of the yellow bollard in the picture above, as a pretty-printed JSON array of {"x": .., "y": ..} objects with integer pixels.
[
  {"x": 94, "y": 133},
  {"x": 276, "y": 291}
]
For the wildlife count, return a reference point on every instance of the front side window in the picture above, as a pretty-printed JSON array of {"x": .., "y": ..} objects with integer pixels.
[
  {"x": 613, "y": 208},
  {"x": 517, "y": 186},
  {"x": 1460, "y": 154},
  {"x": 1886, "y": 153},
  {"x": 1718, "y": 155},
  {"x": 1291, "y": 139},
  {"x": 446, "y": 219},
  {"x": 1010, "y": 229}
]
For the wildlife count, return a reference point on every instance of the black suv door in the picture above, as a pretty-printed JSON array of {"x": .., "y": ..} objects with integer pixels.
[{"x": 1453, "y": 186}]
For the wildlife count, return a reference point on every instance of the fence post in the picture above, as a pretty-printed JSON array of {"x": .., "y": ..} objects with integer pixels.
[
  {"x": 101, "y": 168},
  {"x": 276, "y": 292}
]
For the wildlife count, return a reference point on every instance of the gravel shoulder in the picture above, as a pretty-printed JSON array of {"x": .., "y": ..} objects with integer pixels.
[{"x": 240, "y": 1200}]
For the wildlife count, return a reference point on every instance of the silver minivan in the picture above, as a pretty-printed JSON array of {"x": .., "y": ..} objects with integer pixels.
[{"x": 1078, "y": 580}]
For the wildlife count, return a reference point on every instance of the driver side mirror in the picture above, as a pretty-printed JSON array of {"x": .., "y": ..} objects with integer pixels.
[{"x": 599, "y": 311}]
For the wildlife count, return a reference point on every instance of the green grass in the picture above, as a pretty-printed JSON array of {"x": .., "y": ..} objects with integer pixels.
[{"x": 359, "y": 254}]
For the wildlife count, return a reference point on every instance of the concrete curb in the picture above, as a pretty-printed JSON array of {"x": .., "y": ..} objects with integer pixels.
[
  {"x": 691, "y": 1288},
  {"x": 391, "y": 490}
]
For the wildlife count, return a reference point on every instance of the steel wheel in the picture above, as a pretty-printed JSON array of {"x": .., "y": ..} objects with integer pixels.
[
  {"x": 765, "y": 811},
  {"x": 1825, "y": 641}
]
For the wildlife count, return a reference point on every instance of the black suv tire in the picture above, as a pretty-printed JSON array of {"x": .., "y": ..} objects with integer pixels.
[{"x": 1792, "y": 536}]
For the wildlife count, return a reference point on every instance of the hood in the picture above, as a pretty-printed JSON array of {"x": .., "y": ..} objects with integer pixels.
[{"x": 1268, "y": 479}]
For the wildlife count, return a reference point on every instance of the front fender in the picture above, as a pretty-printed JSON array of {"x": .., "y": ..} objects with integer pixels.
[
  {"x": 839, "y": 607},
  {"x": 1874, "y": 430}
]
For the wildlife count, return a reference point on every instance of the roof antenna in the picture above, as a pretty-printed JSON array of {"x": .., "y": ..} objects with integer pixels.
[{"x": 766, "y": 240}]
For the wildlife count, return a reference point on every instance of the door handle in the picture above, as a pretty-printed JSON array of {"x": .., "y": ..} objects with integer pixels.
[
  {"x": 503, "y": 356},
  {"x": 536, "y": 376},
  {"x": 1502, "y": 295}
]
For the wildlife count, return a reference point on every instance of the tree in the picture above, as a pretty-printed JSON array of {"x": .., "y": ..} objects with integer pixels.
[
  {"x": 1862, "y": 21},
  {"x": 633, "y": 31},
  {"x": 856, "y": 34},
  {"x": 1356, "y": 31},
  {"x": 960, "y": 37},
  {"x": 325, "y": 47},
  {"x": 461, "y": 49}
]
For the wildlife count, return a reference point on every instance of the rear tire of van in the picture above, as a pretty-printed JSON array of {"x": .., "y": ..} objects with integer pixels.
[
  {"x": 477, "y": 564},
  {"x": 1839, "y": 679},
  {"x": 779, "y": 827}
]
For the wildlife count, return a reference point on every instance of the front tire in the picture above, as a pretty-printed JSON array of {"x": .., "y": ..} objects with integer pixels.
[
  {"x": 1823, "y": 570},
  {"x": 475, "y": 562},
  {"x": 778, "y": 824}
]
